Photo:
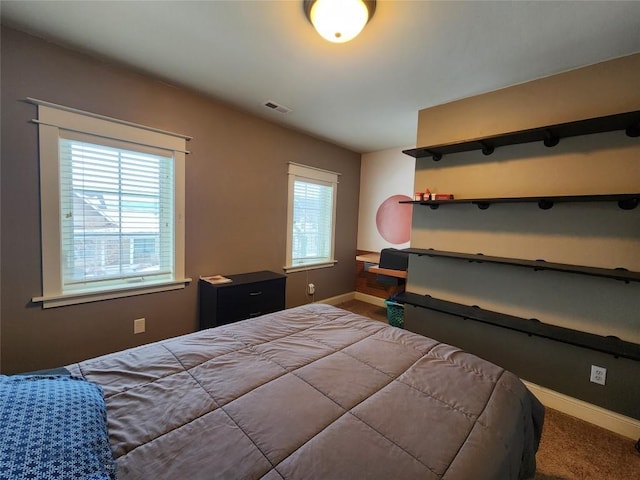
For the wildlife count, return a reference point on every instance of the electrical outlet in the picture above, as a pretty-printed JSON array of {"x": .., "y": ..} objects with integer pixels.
[
  {"x": 311, "y": 289},
  {"x": 598, "y": 375},
  {"x": 138, "y": 326}
]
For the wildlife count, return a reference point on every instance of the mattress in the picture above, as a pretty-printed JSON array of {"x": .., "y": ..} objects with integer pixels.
[{"x": 313, "y": 392}]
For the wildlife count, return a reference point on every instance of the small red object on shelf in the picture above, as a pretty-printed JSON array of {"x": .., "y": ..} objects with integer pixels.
[{"x": 442, "y": 196}]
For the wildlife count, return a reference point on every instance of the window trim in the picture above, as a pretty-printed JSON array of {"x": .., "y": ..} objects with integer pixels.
[
  {"x": 316, "y": 175},
  {"x": 51, "y": 119}
]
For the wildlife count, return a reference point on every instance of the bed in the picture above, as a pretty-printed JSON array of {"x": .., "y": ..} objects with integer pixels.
[{"x": 313, "y": 392}]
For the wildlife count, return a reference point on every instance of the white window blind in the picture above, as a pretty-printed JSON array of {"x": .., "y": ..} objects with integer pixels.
[
  {"x": 117, "y": 211},
  {"x": 112, "y": 207},
  {"x": 311, "y": 223}
]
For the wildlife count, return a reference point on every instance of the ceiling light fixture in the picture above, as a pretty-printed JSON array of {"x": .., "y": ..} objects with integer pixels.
[{"x": 339, "y": 20}]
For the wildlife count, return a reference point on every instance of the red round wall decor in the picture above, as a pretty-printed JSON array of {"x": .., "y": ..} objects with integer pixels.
[{"x": 393, "y": 219}]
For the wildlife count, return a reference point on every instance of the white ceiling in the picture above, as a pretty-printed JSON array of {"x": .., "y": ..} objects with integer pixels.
[{"x": 365, "y": 94}]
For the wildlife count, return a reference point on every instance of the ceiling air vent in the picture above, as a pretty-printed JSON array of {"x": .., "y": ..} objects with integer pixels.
[{"x": 277, "y": 107}]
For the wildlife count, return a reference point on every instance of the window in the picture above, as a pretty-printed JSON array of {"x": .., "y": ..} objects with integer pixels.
[
  {"x": 112, "y": 207},
  {"x": 311, "y": 218}
]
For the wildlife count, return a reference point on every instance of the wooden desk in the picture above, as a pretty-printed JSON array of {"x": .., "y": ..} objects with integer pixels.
[
  {"x": 388, "y": 271},
  {"x": 369, "y": 258},
  {"x": 374, "y": 260}
]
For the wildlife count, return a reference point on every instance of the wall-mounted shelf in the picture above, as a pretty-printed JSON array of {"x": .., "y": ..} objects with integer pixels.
[
  {"x": 610, "y": 345},
  {"x": 615, "y": 273},
  {"x": 550, "y": 135},
  {"x": 626, "y": 201}
]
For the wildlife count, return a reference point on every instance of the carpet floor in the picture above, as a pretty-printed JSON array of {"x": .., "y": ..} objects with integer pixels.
[{"x": 570, "y": 449}]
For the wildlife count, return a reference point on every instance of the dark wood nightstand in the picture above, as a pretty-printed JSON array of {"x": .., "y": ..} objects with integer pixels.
[{"x": 248, "y": 295}]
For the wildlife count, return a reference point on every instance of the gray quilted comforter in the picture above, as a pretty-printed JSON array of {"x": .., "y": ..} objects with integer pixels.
[{"x": 313, "y": 392}]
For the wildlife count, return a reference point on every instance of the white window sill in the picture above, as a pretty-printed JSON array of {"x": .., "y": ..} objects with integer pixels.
[
  {"x": 314, "y": 266},
  {"x": 50, "y": 301}
]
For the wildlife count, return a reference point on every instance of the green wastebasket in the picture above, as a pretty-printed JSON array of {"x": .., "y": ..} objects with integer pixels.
[{"x": 395, "y": 313}]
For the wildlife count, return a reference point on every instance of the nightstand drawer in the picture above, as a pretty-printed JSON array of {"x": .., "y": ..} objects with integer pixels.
[{"x": 250, "y": 300}]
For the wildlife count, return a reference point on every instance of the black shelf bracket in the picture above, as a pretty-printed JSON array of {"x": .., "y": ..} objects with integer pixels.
[
  {"x": 623, "y": 271},
  {"x": 545, "y": 204},
  {"x": 628, "y": 204},
  {"x": 486, "y": 148},
  {"x": 633, "y": 130},
  {"x": 550, "y": 139},
  {"x": 435, "y": 156}
]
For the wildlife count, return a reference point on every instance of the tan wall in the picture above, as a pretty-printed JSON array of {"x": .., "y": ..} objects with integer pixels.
[
  {"x": 598, "y": 234},
  {"x": 601, "y": 89},
  {"x": 236, "y": 200}
]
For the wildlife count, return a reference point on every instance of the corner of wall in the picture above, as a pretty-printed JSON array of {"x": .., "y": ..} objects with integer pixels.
[{"x": 383, "y": 174}]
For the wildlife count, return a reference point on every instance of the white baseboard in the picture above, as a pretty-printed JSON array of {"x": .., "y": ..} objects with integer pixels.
[
  {"x": 345, "y": 297},
  {"x": 612, "y": 421},
  {"x": 363, "y": 297}
]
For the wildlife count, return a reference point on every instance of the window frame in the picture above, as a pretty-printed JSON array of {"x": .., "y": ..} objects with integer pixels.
[
  {"x": 297, "y": 171},
  {"x": 52, "y": 119}
]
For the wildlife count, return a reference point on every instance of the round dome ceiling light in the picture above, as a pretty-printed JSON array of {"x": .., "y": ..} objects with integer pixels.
[{"x": 339, "y": 21}]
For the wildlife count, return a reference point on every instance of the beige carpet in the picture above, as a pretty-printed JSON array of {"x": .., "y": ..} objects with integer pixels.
[
  {"x": 570, "y": 449},
  {"x": 573, "y": 449}
]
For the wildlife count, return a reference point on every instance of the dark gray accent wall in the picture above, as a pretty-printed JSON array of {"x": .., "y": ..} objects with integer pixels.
[
  {"x": 236, "y": 201},
  {"x": 561, "y": 367}
]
